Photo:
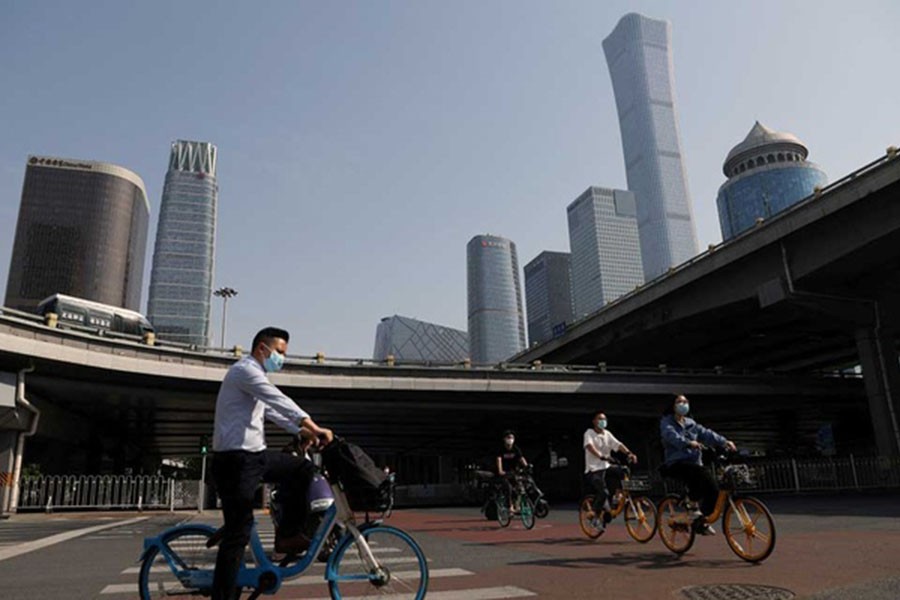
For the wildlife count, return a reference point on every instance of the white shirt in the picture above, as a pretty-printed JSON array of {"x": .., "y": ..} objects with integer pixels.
[
  {"x": 605, "y": 443},
  {"x": 245, "y": 400}
]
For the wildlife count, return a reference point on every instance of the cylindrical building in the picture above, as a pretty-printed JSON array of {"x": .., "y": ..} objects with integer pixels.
[
  {"x": 767, "y": 172},
  {"x": 82, "y": 231},
  {"x": 496, "y": 319},
  {"x": 182, "y": 275}
]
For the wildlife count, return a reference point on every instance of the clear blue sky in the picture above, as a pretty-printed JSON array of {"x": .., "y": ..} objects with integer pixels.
[{"x": 362, "y": 144}]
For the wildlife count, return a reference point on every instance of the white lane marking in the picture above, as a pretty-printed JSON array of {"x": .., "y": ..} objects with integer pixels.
[
  {"x": 132, "y": 588},
  {"x": 313, "y": 579},
  {"x": 488, "y": 593},
  {"x": 163, "y": 567},
  {"x": 61, "y": 537}
]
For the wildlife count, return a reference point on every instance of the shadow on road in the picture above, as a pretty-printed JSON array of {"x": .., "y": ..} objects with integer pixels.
[{"x": 654, "y": 561}]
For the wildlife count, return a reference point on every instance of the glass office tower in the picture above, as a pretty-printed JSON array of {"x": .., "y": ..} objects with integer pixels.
[
  {"x": 412, "y": 340},
  {"x": 767, "y": 172},
  {"x": 181, "y": 279},
  {"x": 496, "y": 323},
  {"x": 82, "y": 231},
  {"x": 548, "y": 295},
  {"x": 606, "y": 252},
  {"x": 639, "y": 55}
]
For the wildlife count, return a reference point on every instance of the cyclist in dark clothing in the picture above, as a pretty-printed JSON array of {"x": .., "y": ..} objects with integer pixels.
[{"x": 509, "y": 457}]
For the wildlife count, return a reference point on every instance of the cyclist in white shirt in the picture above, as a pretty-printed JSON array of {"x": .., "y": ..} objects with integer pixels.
[{"x": 599, "y": 474}]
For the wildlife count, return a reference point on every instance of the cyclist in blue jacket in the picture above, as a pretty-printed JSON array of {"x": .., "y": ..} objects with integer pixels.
[{"x": 682, "y": 439}]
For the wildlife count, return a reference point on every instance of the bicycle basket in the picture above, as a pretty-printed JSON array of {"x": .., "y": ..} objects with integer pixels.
[
  {"x": 739, "y": 476},
  {"x": 637, "y": 484}
]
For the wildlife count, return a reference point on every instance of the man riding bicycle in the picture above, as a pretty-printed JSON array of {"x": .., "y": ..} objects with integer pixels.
[
  {"x": 508, "y": 459},
  {"x": 246, "y": 399},
  {"x": 599, "y": 474}
]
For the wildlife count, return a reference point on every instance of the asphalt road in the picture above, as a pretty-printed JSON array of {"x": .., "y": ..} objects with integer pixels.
[{"x": 829, "y": 548}]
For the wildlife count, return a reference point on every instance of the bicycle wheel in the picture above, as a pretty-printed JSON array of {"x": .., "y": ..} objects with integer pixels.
[
  {"x": 587, "y": 519},
  {"x": 541, "y": 508},
  {"x": 526, "y": 511},
  {"x": 749, "y": 529},
  {"x": 186, "y": 549},
  {"x": 640, "y": 518},
  {"x": 675, "y": 524},
  {"x": 402, "y": 570},
  {"x": 503, "y": 516}
]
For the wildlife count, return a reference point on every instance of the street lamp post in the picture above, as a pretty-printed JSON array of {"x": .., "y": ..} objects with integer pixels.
[{"x": 225, "y": 293}]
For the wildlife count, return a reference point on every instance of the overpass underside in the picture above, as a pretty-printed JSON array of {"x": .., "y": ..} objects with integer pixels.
[{"x": 816, "y": 287}]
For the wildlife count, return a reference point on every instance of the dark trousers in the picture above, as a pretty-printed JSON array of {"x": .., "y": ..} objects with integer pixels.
[
  {"x": 600, "y": 482},
  {"x": 701, "y": 485},
  {"x": 237, "y": 474}
]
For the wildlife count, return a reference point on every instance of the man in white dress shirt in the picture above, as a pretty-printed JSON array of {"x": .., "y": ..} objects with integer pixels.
[{"x": 246, "y": 399}]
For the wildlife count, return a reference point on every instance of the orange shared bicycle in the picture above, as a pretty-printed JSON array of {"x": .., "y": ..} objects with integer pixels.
[
  {"x": 640, "y": 512},
  {"x": 747, "y": 524}
]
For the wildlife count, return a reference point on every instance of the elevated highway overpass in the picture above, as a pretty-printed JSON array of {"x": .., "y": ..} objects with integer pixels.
[
  {"x": 109, "y": 404},
  {"x": 814, "y": 287}
]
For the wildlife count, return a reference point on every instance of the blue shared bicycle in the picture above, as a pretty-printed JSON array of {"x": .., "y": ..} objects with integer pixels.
[{"x": 369, "y": 560}]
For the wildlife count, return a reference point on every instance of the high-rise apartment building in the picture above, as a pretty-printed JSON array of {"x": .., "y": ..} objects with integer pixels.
[
  {"x": 496, "y": 320},
  {"x": 606, "y": 253},
  {"x": 182, "y": 275},
  {"x": 412, "y": 340},
  {"x": 548, "y": 295},
  {"x": 639, "y": 55},
  {"x": 767, "y": 172},
  {"x": 82, "y": 231}
]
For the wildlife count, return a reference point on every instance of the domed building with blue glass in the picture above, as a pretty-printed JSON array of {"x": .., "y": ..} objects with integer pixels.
[{"x": 767, "y": 172}]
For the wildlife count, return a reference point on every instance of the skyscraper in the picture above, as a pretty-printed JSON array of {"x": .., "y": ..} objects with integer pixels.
[
  {"x": 409, "y": 339},
  {"x": 639, "y": 55},
  {"x": 496, "y": 324},
  {"x": 181, "y": 279},
  {"x": 767, "y": 172},
  {"x": 548, "y": 295},
  {"x": 82, "y": 231},
  {"x": 606, "y": 253}
]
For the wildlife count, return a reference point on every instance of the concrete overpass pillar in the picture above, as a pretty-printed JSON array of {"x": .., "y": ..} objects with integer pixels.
[
  {"x": 881, "y": 373},
  {"x": 8, "y": 442}
]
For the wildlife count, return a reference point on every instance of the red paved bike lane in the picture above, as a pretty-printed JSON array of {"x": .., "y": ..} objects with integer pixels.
[{"x": 565, "y": 564}]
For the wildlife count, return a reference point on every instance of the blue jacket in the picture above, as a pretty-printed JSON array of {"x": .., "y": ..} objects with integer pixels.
[{"x": 676, "y": 437}]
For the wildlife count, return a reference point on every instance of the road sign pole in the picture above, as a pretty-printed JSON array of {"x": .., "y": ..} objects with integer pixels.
[{"x": 202, "y": 493}]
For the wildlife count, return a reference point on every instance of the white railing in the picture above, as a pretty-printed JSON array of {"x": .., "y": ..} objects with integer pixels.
[
  {"x": 815, "y": 475},
  {"x": 53, "y": 492}
]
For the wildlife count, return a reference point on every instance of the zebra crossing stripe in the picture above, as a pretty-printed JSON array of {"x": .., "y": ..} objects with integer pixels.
[
  {"x": 31, "y": 546},
  {"x": 132, "y": 588},
  {"x": 488, "y": 593}
]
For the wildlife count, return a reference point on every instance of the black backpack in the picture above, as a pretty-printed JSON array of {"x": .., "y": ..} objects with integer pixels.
[{"x": 366, "y": 485}]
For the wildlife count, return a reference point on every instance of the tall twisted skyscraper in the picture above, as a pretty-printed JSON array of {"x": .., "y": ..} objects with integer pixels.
[
  {"x": 496, "y": 319},
  {"x": 639, "y": 55},
  {"x": 181, "y": 279}
]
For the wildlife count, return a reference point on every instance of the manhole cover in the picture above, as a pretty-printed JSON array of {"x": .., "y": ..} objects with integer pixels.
[{"x": 735, "y": 591}]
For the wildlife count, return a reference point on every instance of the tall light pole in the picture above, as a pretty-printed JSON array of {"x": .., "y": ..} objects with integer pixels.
[{"x": 225, "y": 293}]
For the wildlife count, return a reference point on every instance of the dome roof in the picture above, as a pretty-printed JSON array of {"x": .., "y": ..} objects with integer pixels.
[{"x": 758, "y": 141}]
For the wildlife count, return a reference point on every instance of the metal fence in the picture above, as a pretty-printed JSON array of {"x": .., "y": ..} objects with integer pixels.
[
  {"x": 106, "y": 492},
  {"x": 813, "y": 475}
]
